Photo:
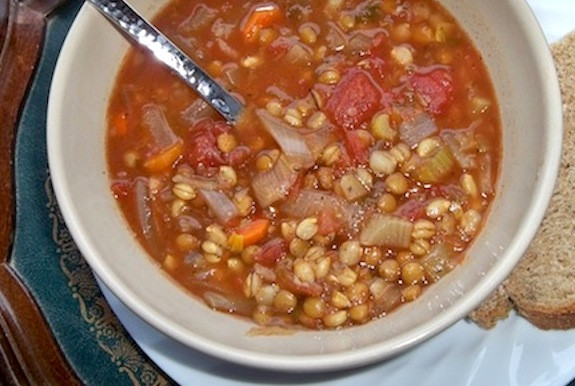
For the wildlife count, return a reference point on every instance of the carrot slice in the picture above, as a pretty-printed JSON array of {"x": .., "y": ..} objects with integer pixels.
[
  {"x": 165, "y": 159},
  {"x": 254, "y": 231},
  {"x": 261, "y": 16}
]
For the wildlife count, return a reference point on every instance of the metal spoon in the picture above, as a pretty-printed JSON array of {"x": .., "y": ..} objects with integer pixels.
[{"x": 142, "y": 31}]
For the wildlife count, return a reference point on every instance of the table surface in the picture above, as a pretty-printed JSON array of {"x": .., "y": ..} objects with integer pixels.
[{"x": 57, "y": 325}]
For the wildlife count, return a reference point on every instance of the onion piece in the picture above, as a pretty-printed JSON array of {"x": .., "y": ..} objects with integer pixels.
[
  {"x": 438, "y": 262},
  {"x": 485, "y": 180},
  {"x": 155, "y": 121},
  {"x": 198, "y": 182},
  {"x": 201, "y": 16},
  {"x": 274, "y": 184},
  {"x": 414, "y": 131},
  {"x": 386, "y": 230},
  {"x": 463, "y": 144},
  {"x": 318, "y": 139},
  {"x": 335, "y": 38},
  {"x": 360, "y": 42},
  {"x": 143, "y": 209},
  {"x": 227, "y": 303},
  {"x": 226, "y": 49},
  {"x": 220, "y": 204},
  {"x": 197, "y": 111},
  {"x": 310, "y": 203},
  {"x": 290, "y": 140},
  {"x": 388, "y": 299},
  {"x": 298, "y": 54}
]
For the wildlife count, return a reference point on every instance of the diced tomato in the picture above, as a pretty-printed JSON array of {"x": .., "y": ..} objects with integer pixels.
[
  {"x": 121, "y": 188},
  {"x": 239, "y": 155},
  {"x": 434, "y": 88},
  {"x": 204, "y": 148},
  {"x": 271, "y": 252},
  {"x": 328, "y": 222},
  {"x": 354, "y": 100},
  {"x": 357, "y": 147}
]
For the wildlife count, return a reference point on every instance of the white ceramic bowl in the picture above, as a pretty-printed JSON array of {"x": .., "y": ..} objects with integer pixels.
[{"x": 517, "y": 56}]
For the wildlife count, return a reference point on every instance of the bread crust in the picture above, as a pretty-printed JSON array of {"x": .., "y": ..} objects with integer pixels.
[{"x": 541, "y": 288}]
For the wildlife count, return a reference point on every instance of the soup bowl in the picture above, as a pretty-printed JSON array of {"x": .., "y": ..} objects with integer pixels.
[{"x": 517, "y": 57}]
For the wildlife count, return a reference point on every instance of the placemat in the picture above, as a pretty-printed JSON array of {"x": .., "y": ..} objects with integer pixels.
[{"x": 44, "y": 255}]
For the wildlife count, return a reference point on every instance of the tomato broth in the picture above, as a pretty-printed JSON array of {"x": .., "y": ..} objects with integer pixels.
[{"x": 362, "y": 169}]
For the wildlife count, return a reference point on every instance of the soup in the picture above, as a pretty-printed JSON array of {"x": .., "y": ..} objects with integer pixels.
[{"x": 362, "y": 168}]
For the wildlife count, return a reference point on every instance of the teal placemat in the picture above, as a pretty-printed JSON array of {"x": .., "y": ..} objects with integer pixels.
[{"x": 45, "y": 256}]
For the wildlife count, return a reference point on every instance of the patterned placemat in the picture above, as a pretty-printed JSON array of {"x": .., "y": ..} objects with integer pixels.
[{"x": 93, "y": 341}]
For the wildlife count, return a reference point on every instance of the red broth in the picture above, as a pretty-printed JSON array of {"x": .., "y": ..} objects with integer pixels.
[{"x": 363, "y": 168}]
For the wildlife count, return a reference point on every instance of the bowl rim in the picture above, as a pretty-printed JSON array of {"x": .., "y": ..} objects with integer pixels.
[{"x": 332, "y": 361}]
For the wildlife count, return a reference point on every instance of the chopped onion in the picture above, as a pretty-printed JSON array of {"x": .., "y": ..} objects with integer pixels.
[
  {"x": 318, "y": 139},
  {"x": 388, "y": 299},
  {"x": 158, "y": 127},
  {"x": 485, "y": 180},
  {"x": 226, "y": 49},
  {"x": 335, "y": 38},
  {"x": 309, "y": 203},
  {"x": 298, "y": 54},
  {"x": 414, "y": 131},
  {"x": 274, "y": 184},
  {"x": 463, "y": 144},
  {"x": 188, "y": 223},
  {"x": 143, "y": 209},
  {"x": 220, "y": 204},
  {"x": 290, "y": 140},
  {"x": 360, "y": 42},
  {"x": 197, "y": 111},
  {"x": 201, "y": 16},
  {"x": 438, "y": 262},
  {"x": 227, "y": 303},
  {"x": 198, "y": 182},
  {"x": 387, "y": 230}
]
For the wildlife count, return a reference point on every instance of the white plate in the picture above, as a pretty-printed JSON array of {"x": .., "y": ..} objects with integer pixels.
[{"x": 514, "y": 353}]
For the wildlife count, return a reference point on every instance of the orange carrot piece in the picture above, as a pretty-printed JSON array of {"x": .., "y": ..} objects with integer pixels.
[
  {"x": 254, "y": 231},
  {"x": 165, "y": 159},
  {"x": 261, "y": 16}
]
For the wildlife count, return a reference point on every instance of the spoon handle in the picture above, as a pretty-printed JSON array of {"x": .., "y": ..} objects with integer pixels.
[{"x": 129, "y": 21}]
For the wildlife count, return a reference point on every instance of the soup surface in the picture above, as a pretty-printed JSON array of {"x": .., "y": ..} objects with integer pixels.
[{"x": 361, "y": 171}]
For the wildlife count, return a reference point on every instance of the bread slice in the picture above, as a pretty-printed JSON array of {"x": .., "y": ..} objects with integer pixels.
[
  {"x": 542, "y": 286},
  {"x": 495, "y": 308}
]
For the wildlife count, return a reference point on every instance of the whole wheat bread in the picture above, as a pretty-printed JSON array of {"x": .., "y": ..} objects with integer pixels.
[{"x": 542, "y": 286}]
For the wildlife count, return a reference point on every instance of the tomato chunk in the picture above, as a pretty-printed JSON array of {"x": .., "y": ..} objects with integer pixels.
[
  {"x": 434, "y": 89},
  {"x": 354, "y": 100},
  {"x": 328, "y": 222},
  {"x": 121, "y": 188},
  {"x": 271, "y": 252},
  {"x": 204, "y": 148},
  {"x": 357, "y": 147}
]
